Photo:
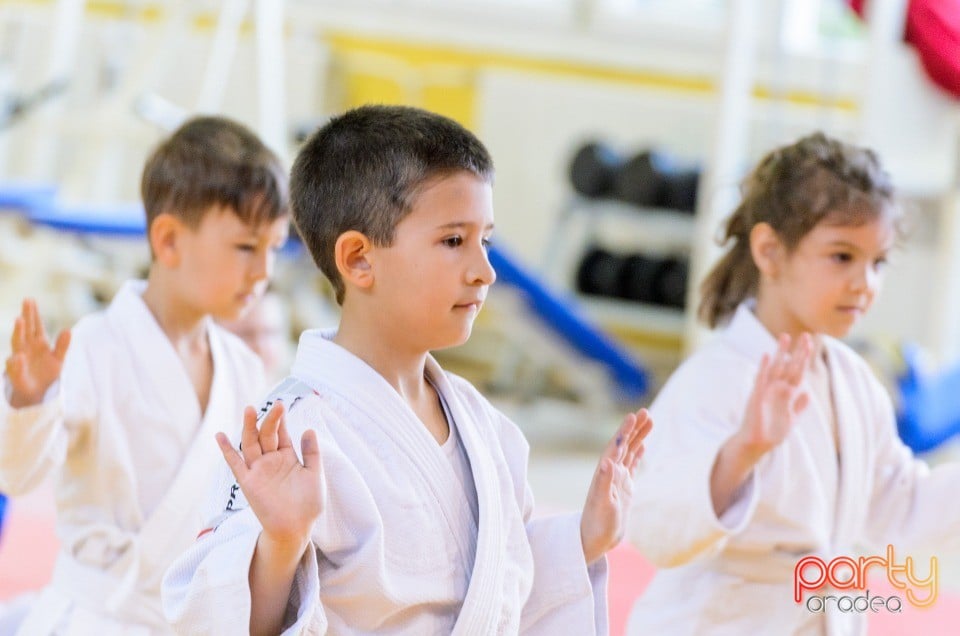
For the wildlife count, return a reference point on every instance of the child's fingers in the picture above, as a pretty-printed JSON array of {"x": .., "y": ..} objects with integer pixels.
[
  {"x": 18, "y": 341},
  {"x": 25, "y": 319},
  {"x": 25, "y": 311},
  {"x": 40, "y": 330},
  {"x": 763, "y": 374},
  {"x": 31, "y": 316},
  {"x": 637, "y": 445},
  {"x": 15, "y": 364},
  {"x": 249, "y": 438},
  {"x": 617, "y": 446},
  {"x": 234, "y": 460},
  {"x": 759, "y": 384},
  {"x": 783, "y": 343},
  {"x": 604, "y": 476},
  {"x": 781, "y": 358},
  {"x": 800, "y": 357},
  {"x": 635, "y": 448},
  {"x": 269, "y": 440},
  {"x": 310, "y": 449},
  {"x": 283, "y": 436},
  {"x": 635, "y": 459},
  {"x": 63, "y": 343},
  {"x": 634, "y": 442},
  {"x": 802, "y": 343},
  {"x": 793, "y": 372},
  {"x": 644, "y": 423}
]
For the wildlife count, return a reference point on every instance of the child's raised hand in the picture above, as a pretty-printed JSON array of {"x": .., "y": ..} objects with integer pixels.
[
  {"x": 286, "y": 496},
  {"x": 33, "y": 366},
  {"x": 777, "y": 398},
  {"x": 608, "y": 501}
]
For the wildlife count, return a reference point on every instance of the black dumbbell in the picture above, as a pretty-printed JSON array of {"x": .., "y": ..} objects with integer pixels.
[
  {"x": 599, "y": 272},
  {"x": 640, "y": 180},
  {"x": 654, "y": 178},
  {"x": 680, "y": 191},
  {"x": 671, "y": 285},
  {"x": 593, "y": 169},
  {"x": 638, "y": 277}
]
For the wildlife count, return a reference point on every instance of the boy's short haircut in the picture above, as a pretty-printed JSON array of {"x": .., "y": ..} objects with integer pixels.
[
  {"x": 363, "y": 170},
  {"x": 210, "y": 161}
]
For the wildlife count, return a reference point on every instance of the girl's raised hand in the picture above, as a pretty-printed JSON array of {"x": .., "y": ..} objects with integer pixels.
[
  {"x": 33, "y": 366},
  {"x": 611, "y": 491},
  {"x": 777, "y": 398},
  {"x": 286, "y": 496}
]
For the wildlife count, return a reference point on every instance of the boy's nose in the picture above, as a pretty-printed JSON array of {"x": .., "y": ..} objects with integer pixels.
[
  {"x": 263, "y": 266},
  {"x": 482, "y": 273}
]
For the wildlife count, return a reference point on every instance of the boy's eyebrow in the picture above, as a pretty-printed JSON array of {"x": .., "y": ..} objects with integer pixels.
[{"x": 458, "y": 224}]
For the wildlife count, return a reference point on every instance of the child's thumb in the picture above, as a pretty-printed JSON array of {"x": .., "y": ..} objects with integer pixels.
[
  {"x": 310, "y": 450},
  {"x": 15, "y": 366},
  {"x": 63, "y": 343}
]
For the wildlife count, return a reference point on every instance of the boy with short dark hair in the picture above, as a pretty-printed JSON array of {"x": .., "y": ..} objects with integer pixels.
[
  {"x": 125, "y": 412},
  {"x": 410, "y": 510}
]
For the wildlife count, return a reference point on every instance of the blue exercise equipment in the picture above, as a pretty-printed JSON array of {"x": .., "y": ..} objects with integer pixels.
[
  {"x": 25, "y": 196},
  {"x": 124, "y": 220},
  {"x": 564, "y": 318},
  {"x": 109, "y": 220},
  {"x": 929, "y": 410},
  {"x": 41, "y": 205}
]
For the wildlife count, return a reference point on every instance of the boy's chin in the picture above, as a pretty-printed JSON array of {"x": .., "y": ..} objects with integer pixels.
[
  {"x": 452, "y": 342},
  {"x": 231, "y": 313}
]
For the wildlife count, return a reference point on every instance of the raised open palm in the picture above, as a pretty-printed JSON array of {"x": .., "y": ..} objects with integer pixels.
[
  {"x": 33, "y": 365},
  {"x": 777, "y": 397},
  {"x": 611, "y": 491},
  {"x": 286, "y": 495}
]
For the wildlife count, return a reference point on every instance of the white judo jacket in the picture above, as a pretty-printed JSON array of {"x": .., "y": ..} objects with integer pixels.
[
  {"x": 123, "y": 434},
  {"x": 396, "y": 549},
  {"x": 734, "y": 575}
]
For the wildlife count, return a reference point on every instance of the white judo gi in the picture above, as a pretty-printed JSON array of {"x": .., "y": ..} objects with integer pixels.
[
  {"x": 734, "y": 575},
  {"x": 123, "y": 432},
  {"x": 397, "y": 548}
]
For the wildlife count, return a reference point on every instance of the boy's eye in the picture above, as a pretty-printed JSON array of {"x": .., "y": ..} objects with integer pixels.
[
  {"x": 880, "y": 262},
  {"x": 453, "y": 241},
  {"x": 842, "y": 257},
  {"x": 246, "y": 247},
  {"x": 486, "y": 243}
]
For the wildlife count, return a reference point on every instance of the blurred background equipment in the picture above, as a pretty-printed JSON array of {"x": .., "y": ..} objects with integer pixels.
[
  {"x": 650, "y": 179},
  {"x": 594, "y": 169},
  {"x": 637, "y": 277}
]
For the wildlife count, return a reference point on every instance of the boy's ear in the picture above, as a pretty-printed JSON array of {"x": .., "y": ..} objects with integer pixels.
[
  {"x": 352, "y": 256},
  {"x": 164, "y": 238},
  {"x": 767, "y": 249}
]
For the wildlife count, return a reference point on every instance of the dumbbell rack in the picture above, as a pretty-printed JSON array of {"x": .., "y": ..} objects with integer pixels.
[{"x": 582, "y": 222}]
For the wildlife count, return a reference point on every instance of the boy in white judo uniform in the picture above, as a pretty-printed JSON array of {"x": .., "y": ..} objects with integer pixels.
[
  {"x": 410, "y": 512},
  {"x": 122, "y": 411},
  {"x": 778, "y": 454}
]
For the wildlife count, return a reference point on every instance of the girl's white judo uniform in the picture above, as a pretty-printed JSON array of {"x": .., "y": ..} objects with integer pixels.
[
  {"x": 397, "y": 549},
  {"x": 124, "y": 429},
  {"x": 734, "y": 575}
]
